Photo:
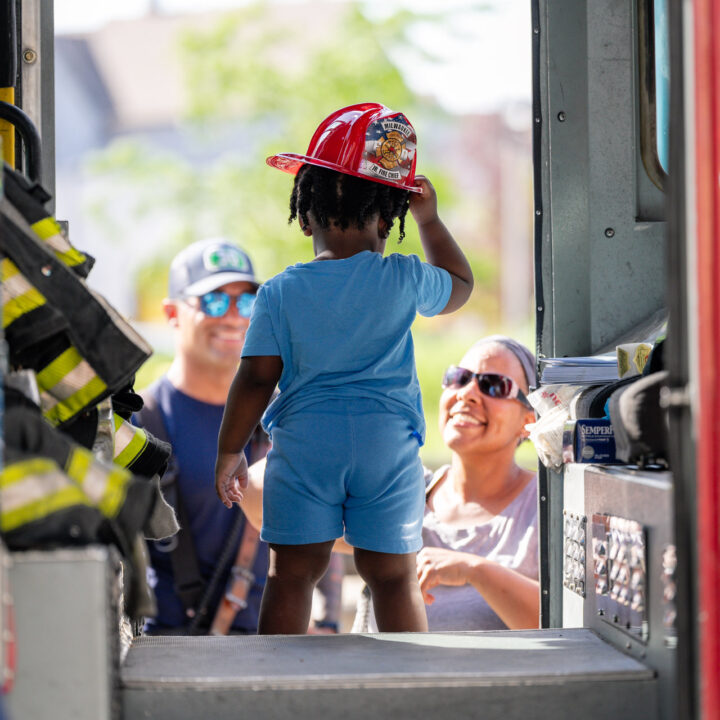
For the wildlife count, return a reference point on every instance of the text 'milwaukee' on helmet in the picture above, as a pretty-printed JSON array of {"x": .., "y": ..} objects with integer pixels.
[{"x": 367, "y": 140}]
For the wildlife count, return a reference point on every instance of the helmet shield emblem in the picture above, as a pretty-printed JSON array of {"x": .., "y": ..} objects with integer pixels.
[{"x": 389, "y": 149}]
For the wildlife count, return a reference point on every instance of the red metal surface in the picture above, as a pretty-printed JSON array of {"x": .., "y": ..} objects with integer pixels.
[{"x": 707, "y": 161}]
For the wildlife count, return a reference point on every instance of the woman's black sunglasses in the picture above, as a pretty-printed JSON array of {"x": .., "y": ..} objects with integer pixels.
[{"x": 493, "y": 385}]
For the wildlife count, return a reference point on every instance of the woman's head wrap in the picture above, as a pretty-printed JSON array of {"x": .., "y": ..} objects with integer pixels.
[{"x": 526, "y": 358}]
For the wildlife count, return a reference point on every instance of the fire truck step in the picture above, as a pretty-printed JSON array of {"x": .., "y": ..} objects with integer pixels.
[{"x": 493, "y": 675}]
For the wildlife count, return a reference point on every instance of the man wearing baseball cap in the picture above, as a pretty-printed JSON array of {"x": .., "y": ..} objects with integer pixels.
[{"x": 211, "y": 292}]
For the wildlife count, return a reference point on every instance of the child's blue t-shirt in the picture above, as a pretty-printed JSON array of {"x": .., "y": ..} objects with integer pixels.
[{"x": 342, "y": 329}]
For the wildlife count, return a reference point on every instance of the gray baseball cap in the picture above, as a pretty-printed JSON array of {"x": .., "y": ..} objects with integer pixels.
[{"x": 206, "y": 265}]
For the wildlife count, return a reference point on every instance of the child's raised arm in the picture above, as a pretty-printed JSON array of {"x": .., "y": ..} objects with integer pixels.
[
  {"x": 250, "y": 392},
  {"x": 440, "y": 248}
]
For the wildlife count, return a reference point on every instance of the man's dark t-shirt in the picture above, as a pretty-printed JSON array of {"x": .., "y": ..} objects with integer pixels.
[{"x": 193, "y": 427}]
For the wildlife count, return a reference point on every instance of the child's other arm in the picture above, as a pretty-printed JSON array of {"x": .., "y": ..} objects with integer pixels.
[
  {"x": 440, "y": 248},
  {"x": 250, "y": 392}
]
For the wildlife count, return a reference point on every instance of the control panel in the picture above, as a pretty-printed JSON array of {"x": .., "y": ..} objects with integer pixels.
[{"x": 620, "y": 573}]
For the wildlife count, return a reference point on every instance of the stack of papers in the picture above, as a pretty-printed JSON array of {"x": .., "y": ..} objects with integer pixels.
[{"x": 590, "y": 370}]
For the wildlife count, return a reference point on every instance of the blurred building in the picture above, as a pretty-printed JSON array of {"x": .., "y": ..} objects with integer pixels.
[
  {"x": 500, "y": 176},
  {"x": 121, "y": 81}
]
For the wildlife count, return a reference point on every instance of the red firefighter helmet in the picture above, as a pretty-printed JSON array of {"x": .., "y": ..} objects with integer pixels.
[{"x": 367, "y": 140}]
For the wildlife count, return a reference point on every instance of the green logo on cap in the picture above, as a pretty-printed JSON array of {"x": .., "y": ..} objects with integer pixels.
[{"x": 225, "y": 257}]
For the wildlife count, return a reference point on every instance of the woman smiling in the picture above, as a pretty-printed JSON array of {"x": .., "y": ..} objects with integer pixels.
[{"x": 478, "y": 569}]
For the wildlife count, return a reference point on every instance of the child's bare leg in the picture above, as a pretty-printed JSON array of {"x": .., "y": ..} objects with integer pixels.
[
  {"x": 293, "y": 572},
  {"x": 396, "y": 595}
]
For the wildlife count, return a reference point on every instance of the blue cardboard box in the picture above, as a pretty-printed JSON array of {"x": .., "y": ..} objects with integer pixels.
[{"x": 589, "y": 440}]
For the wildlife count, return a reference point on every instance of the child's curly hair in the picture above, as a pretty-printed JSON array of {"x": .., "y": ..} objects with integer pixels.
[{"x": 345, "y": 200}]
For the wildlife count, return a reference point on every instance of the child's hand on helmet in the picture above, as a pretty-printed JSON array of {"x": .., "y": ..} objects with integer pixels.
[
  {"x": 231, "y": 474},
  {"x": 423, "y": 206}
]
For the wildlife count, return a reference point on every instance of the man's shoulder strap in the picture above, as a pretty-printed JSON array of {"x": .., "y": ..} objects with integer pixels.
[
  {"x": 151, "y": 415},
  {"x": 152, "y": 418},
  {"x": 189, "y": 584}
]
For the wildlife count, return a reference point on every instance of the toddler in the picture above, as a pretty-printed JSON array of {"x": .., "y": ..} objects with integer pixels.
[{"x": 334, "y": 336}]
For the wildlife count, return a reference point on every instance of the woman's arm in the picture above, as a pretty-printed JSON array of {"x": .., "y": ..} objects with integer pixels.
[
  {"x": 251, "y": 503},
  {"x": 513, "y": 596}
]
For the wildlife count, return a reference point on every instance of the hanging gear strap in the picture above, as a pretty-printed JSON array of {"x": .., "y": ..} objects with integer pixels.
[
  {"x": 241, "y": 580},
  {"x": 189, "y": 584}
]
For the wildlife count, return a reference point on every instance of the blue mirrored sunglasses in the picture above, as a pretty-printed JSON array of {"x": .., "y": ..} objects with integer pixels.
[{"x": 215, "y": 304}]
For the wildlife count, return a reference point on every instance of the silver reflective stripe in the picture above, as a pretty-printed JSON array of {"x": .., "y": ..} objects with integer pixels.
[
  {"x": 47, "y": 402},
  {"x": 94, "y": 483},
  {"x": 32, "y": 488},
  {"x": 15, "y": 286},
  {"x": 58, "y": 242},
  {"x": 124, "y": 434},
  {"x": 76, "y": 379}
]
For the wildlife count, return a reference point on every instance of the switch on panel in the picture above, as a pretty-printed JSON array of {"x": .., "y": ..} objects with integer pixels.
[
  {"x": 574, "y": 567},
  {"x": 620, "y": 573}
]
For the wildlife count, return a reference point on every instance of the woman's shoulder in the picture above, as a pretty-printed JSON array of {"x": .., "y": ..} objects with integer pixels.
[
  {"x": 432, "y": 478},
  {"x": 525, "y": 505}
]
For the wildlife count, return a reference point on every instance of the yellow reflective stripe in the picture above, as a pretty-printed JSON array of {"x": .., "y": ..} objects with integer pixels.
[
  {"x": 17, "y": 471},
  {"x": 129, "y": 442},
  {"x": 7, "y": 130},
  {"x": 118, "y": 481},
  {"x": 48, "y": 230},
  {"x": 33, "y": 489},
  {"x": 68, "y": 407},
  {"x": 71, "y": 383},
  {"x": 106, "y": 487},
  {"x": 18, "y": 295},
  {"x": 21, "y": 305},
  {"x": 69, "y": 496},
  {"x": 53, "y": 373},
  {"x": 61, "y": 379},
  {"x": 14, "y": 284},
  {"x": 7, "y": 269}
]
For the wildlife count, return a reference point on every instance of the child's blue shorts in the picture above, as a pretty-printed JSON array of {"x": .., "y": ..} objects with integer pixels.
[{"x": 345, "y": 468}]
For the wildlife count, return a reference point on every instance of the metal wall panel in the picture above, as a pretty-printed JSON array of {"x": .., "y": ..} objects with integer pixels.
[
  {"x": 67, "y": 628},
  {"x": 565, "y": 176},
  {"x": 37, "y": 80},
  {"x": 602, "y": 259}
]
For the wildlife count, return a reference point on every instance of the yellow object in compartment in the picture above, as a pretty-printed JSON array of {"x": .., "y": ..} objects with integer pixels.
[
  {"x": 631, "y": 358},
  {"x": 7, "y": 130}
]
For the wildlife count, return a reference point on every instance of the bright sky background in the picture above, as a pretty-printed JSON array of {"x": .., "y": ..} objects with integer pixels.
[{"x": 485, "y": 66}]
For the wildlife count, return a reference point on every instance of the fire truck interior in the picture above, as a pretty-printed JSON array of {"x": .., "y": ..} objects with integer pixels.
[{"x": 622, "y": 626}]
